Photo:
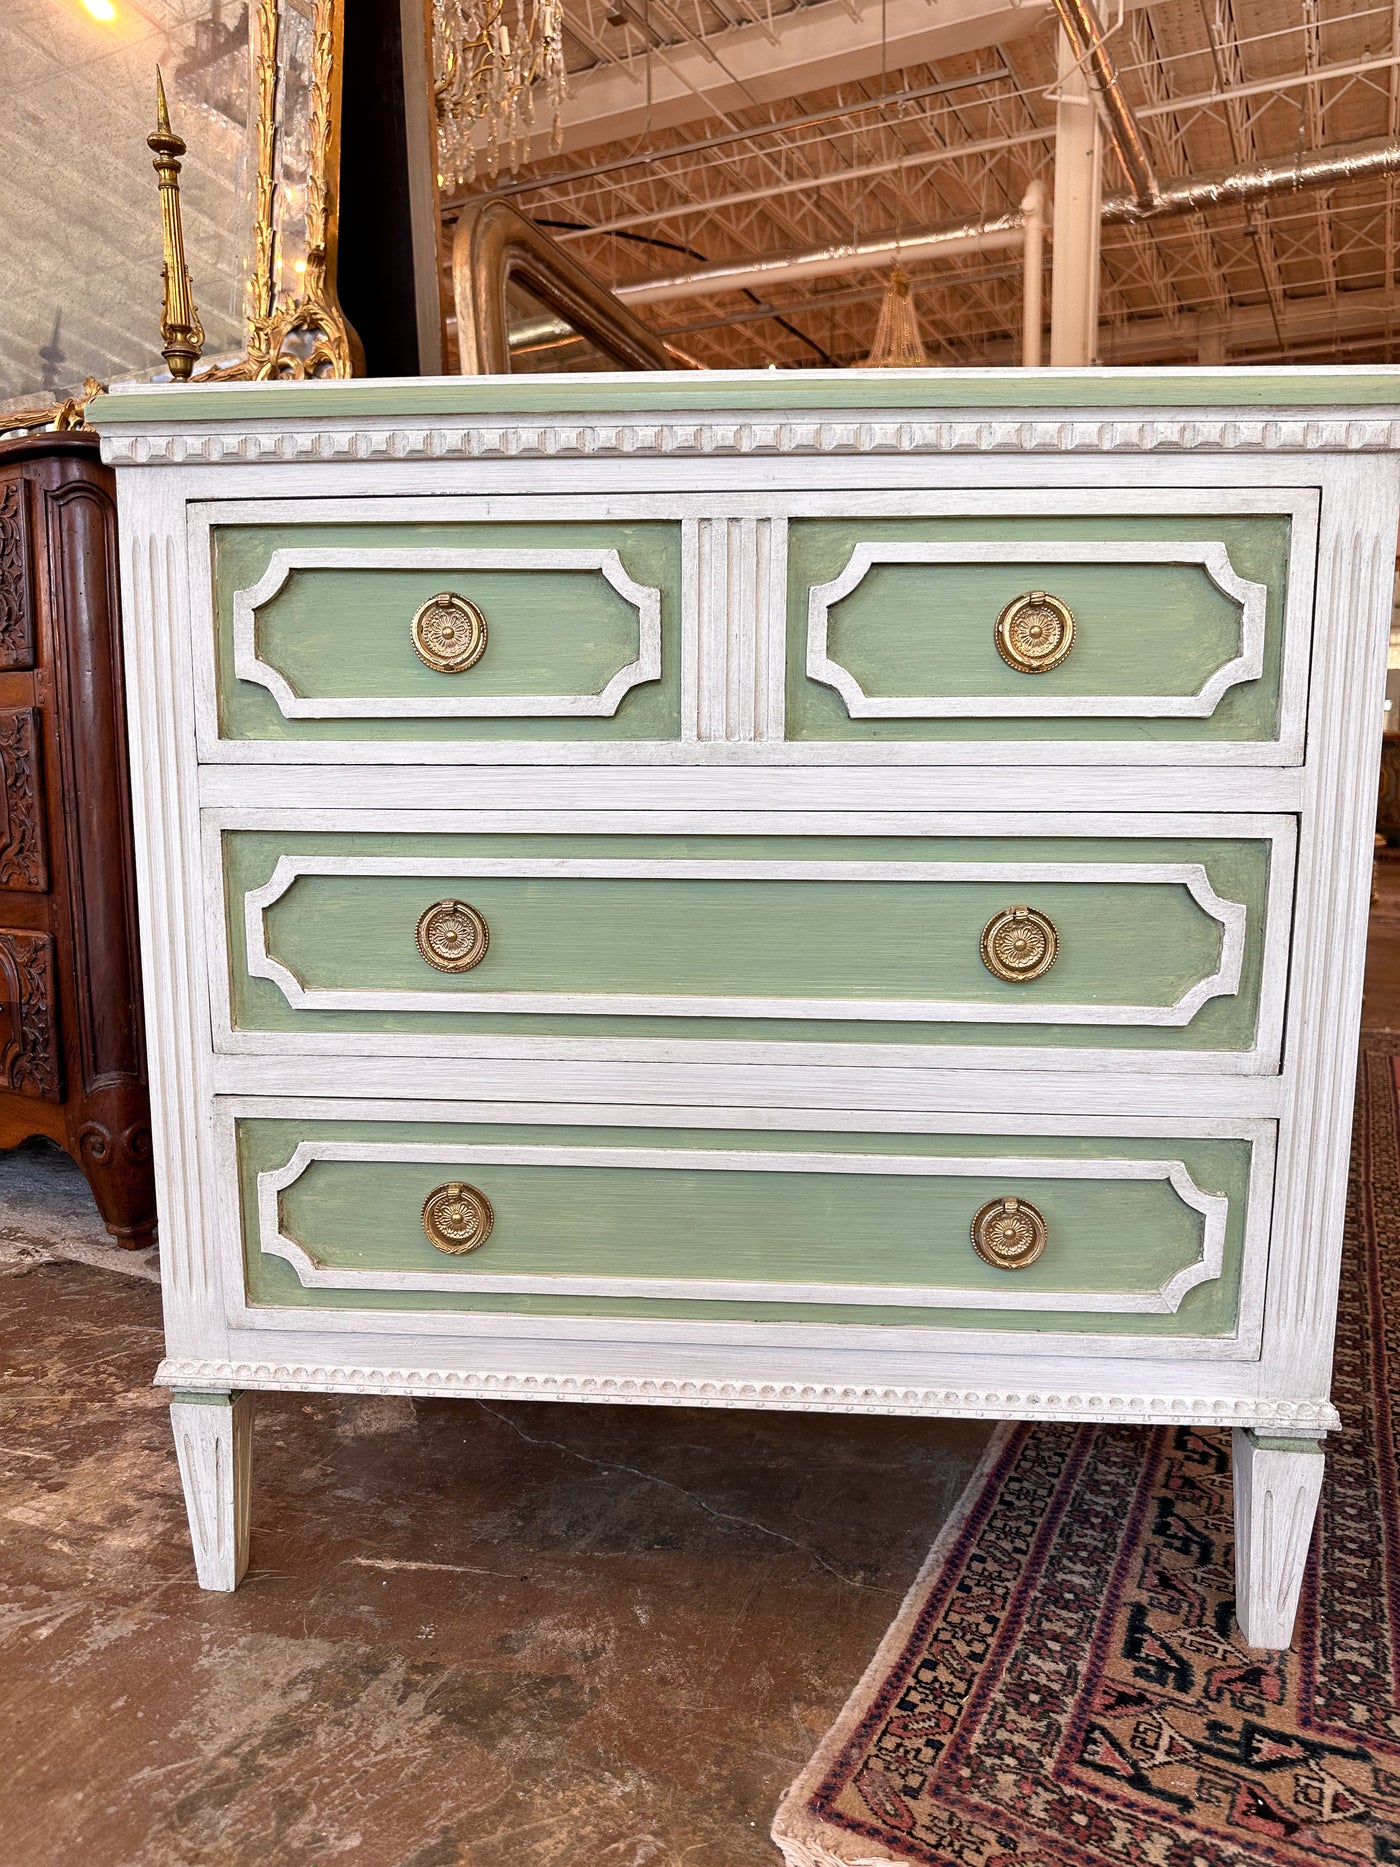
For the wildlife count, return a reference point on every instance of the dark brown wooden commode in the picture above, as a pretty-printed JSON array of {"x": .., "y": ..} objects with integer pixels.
[{"x": 72, "y": 1057}]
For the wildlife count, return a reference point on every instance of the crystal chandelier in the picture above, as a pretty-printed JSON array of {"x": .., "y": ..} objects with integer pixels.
[
  {"x": 898, "y": 343},
  {"x": 486, "y": 69}
]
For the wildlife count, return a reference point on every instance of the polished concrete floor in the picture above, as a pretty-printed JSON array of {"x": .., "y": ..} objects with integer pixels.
[{"x": 471, "y": 1635}]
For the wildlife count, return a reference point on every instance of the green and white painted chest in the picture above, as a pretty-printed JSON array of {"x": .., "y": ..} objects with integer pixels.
[{"x": 842, "y": 891}]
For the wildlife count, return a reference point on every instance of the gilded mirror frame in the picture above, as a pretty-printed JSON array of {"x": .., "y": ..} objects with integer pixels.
[
  {"x": 494, "y": 242},
  {"x": 308, "y": 335},
  {"x": 294, "y": 97}
]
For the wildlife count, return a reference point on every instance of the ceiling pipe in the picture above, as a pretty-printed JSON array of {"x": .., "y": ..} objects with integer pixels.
[
  {"x": 865, "y": 293},
  {"x": 1258, "y": 181},
  {"x": 1085, "y": 32},
  {"x": 956, "y": 152},
  {"x": 918, "y": 158},
  {"x": 946, "y": 242},
  {"x": 1324, "y": 168}
]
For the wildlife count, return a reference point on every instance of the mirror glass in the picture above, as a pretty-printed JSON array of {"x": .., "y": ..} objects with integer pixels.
[{"x": 544, "y": 342}]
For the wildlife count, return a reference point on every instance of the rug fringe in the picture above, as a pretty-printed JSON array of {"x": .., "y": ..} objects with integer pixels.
[
  {"x": 809, "y": 1850},
  {"x": 797, "y": 1853}
]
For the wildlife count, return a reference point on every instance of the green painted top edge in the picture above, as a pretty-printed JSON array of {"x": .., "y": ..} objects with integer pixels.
[{"x": 742, "y": 391}]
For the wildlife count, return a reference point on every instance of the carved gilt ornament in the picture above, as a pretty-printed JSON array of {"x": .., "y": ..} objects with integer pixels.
[{"x": 295, "y": 326}]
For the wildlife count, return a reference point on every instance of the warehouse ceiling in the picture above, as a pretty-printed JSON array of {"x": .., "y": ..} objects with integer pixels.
[{"x": 707, "y": 131}]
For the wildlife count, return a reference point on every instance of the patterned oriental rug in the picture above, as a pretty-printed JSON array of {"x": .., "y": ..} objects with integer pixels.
[{"x": 1064, "y": 1685}]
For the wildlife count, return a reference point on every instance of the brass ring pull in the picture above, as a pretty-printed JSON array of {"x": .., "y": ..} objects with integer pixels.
[
  {"x": 449, "y": 634},
  {"x": 1019, "y": 944},
  {"x": 1009, "y": 1233},
  {"x": 457, "y": 1218},
  {"x": 452, "y": 936},
  {"x": 1035, "y": 632}
]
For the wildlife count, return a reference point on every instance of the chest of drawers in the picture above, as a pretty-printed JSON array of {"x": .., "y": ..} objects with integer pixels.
[{"x": 831, "y": 891}]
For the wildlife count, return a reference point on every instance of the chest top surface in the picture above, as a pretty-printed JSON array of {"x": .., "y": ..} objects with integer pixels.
[{"x": 757, "y": 411}]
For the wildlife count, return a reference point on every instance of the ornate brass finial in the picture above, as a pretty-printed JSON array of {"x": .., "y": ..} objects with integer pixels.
[{"x": 180, "y": 329}]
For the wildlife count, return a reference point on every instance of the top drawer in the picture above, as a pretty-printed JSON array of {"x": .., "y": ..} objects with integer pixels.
[
  {"x": 403, "y": 630},
  {"x": 1143, "y": 625},
  {"x": 1089, "y": 615}
]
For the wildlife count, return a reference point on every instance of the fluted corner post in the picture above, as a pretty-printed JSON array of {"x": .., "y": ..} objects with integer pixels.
[{"x": 181, "y": 332}]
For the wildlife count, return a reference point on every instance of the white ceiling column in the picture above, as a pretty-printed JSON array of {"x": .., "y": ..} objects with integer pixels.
[{"x": 1074, "y": 253}]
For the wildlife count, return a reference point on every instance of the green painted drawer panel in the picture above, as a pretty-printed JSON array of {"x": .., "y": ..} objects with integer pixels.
[
  {"x": 803, "y": 938},
  {"x": 912, "y": 638},
  {"x": 583, "y": 630},
  {"x": 1144, "y": 1237}
]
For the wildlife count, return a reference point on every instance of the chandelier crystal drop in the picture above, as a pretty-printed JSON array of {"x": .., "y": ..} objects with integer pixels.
[
  {"x": 486, "y": 69},
  {"x": 898, "y": 344}
]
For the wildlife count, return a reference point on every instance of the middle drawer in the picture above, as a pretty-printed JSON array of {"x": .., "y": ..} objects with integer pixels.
[{"x": 1137, "y": 933}]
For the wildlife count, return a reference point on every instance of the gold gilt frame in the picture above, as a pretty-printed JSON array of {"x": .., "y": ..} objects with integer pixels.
[
  {"x": 493, "y": 243},
  {"x": 309, "y": 336},
  {"x": 304, "y": 337},
  {"x": 65, "y": 417}
]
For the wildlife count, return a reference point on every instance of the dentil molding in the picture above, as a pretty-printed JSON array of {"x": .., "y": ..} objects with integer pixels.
[{"x": 523, "y": 439}]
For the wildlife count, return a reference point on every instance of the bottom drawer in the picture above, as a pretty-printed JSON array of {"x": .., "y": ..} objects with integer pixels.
[{"x": 1114, "y": 1234}]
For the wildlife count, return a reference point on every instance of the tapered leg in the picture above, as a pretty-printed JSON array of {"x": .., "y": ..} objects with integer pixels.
[
  {"x": 214, "y": 1444},
  {"x": 1277, "y": 1486}
]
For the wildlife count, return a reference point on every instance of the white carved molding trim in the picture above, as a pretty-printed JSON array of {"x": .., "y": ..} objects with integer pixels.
[
  {"x": 735, "y": 648},
  {"x": 1311, "y": 1417},
  {"x": 1012, "y": 1295},
  {"x": 522, "y": 439},
  {"x": 1231, "y": 916},
  {"x": 461, "y": 703},
  {"x": 1040, "y": 701}
]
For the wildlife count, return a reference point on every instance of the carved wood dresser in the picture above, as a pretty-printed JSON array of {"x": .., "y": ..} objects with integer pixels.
[
  {"x": 71, "y": 1054},
  {"x": 834, "y": 891}
]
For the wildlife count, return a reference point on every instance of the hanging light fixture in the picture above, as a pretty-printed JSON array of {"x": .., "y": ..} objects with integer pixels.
[
  {"x": 486, "y": 71},
  {"x": 898, "y": 344}
]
